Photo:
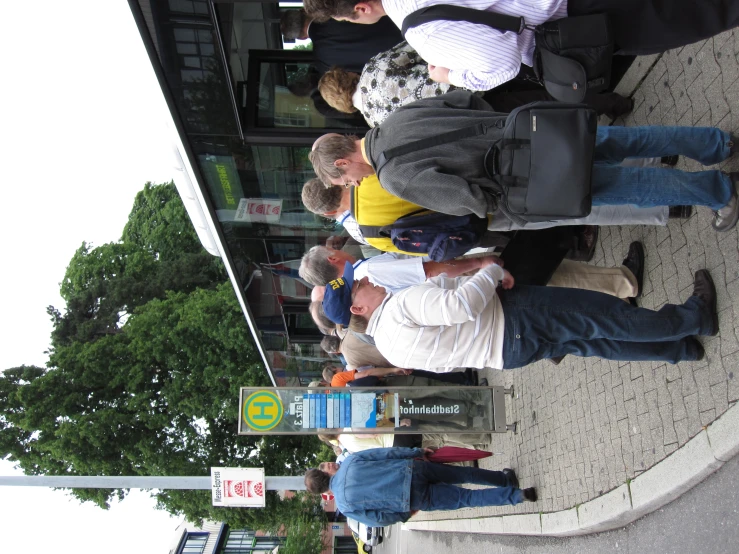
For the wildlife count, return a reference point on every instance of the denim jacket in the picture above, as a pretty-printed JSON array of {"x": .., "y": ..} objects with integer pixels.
[{"x": 374, "y": 486}]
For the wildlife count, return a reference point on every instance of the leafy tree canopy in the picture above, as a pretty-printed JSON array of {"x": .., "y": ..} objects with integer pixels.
[{"x": 144, "y": 370}]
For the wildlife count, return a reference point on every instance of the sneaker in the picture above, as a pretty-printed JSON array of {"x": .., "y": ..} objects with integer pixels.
[
  {"x": 634, "y": 262},
  {"x": 511, "y": 477},
  {"x": 530, "y": 494},
  {"x": 727, "y": 216},
  {"x": 704, "y": 289}
]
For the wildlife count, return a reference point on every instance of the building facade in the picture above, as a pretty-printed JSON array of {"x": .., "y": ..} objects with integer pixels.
[
  {"x": 244, "y": 115},
  {"x": 218, "y": 538}
]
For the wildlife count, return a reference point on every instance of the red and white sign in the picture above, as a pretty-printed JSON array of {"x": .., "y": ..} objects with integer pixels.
[
  {"x": 237, "y": 486},
  {"x": 259, "y": 209}
]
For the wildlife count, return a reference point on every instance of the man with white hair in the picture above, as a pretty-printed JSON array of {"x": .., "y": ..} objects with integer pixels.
[
  {"x": 447, "y": 323},
  {"x": 321, "y": 265}
]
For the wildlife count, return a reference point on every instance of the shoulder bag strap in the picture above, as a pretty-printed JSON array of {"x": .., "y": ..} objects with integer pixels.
[
  {"x": 422, "y": 144},
  {"x": 458, "y": 13},
  {"x": 383, "y": 231}
]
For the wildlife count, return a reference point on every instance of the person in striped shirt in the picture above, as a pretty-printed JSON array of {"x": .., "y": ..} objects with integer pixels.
[
  {"x": 471, "y": 322},
  {"x": 478, "y": 57}
]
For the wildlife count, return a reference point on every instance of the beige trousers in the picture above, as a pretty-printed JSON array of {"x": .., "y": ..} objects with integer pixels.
[{"x": 616, "y": 281}]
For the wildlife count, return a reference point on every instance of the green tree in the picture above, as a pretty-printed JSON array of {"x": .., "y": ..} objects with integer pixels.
[
  {"x": 144, "y": 370},
  {"x": 159, "y": 252}
]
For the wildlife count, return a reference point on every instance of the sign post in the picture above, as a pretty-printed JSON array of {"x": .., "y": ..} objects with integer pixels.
[
  {"x": 237, "y": 487},
  {"x": 397, "y": 410},
  {"x": 140, "y": 482}
]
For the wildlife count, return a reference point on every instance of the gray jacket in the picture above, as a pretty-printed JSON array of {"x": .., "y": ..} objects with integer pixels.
[{"x": 446, "y": 178}]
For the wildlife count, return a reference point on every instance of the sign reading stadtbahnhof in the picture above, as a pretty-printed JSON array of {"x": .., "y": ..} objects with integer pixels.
[{"x": 288, "y": 411}]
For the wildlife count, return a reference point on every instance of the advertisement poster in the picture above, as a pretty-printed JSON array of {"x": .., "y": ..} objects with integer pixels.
[
  {"x": 237, "y": 487},
  {"x": 223, "y": 178},
  {"x": 390, "y": 410}
]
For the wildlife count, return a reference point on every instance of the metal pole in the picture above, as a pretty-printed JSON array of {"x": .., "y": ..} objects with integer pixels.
[{"x": 136, "y": 482}]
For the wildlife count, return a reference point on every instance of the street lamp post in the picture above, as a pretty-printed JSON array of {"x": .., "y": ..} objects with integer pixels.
[{"x": 136, "y": 482}]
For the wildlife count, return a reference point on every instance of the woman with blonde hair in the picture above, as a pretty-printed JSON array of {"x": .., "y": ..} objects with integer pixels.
[{"x": 389, "y": 80}]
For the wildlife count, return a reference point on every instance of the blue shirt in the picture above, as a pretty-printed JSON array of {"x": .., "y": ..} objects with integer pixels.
[{"x": 374, "y": 486}]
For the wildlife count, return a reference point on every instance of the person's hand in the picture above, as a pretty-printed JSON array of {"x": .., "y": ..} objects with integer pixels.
[
  {"x": 490, "y": 260},
  {"x": 439, "y": 74},
  {"x": 508, "y": 281},
  {"x": 428, "y": 451},
  {"x": 405, "y": 422},
  {"x": 335, "y": 242},
  {"x": 402, "y": 371}
]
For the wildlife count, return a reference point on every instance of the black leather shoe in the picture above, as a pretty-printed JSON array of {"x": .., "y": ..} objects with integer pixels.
[
  {"x": 704, "y": 289},
  {"x": 670, "y": 160},
  {"x": 483, "y": 382},
  {"x": 511, "y": 476},
  {"x": 700, "y": 351},
  {"x": 634, "y": 262},
  {"x": 556, "y": 360},
  {"x": 623, "y": 107},
  {"x": 530, "y": 494},
  {"x": 587, "y": 239},
  {"x": 680, "y": 212}
]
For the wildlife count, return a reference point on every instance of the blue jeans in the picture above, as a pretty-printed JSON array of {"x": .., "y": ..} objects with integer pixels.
[
  {"x": 545, "y": 322},
  {"x": 648, "y": 186},
  {"x": 432, "y": 487}
]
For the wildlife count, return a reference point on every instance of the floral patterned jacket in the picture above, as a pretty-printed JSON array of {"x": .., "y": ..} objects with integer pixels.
[{"x": 393, "y": 79}]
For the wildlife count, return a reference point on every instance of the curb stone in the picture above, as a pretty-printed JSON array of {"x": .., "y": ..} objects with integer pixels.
[{"x": 649, "y": 491}]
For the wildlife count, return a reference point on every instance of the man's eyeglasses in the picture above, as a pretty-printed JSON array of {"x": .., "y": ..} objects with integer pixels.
[
  {"x": 354, "y": 292},
  {"x": 346, "y": 185}
]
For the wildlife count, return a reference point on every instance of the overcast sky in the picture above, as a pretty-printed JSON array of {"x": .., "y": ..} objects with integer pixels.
[{"x": 82, "y": 128}]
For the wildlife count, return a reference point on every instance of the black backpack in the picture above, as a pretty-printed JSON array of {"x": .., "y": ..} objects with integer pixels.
[
  {"x": 439, "y": 236},
  {"x": 539, "y": 169}
]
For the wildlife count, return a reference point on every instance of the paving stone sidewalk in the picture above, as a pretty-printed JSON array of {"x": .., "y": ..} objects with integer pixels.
[{"x": 587, "y": 426}]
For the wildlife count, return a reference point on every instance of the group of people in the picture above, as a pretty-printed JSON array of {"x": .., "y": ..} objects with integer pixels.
[{"x": 393, "y": 315}]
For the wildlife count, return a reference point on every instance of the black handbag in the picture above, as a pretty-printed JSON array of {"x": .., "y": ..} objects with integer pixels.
[
  {"x": 539, "y": 166},
  {"x": 572, "y": 55}
]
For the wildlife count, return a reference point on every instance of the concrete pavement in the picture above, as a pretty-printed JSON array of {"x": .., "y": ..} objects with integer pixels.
[
  {"x": 606, "y": 442},
  {"x": 705, "y": 519}
]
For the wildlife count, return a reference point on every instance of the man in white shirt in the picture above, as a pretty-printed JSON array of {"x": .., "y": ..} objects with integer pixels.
[
  {"x": 321, "y": 265},
  {"x": 479, "y": 57},
  {"x": 447, "y": 323}
]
